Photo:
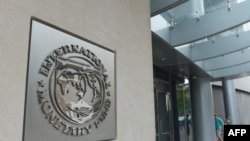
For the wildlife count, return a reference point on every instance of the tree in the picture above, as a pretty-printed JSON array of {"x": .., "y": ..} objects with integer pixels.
[{"x": 183, "y": 99}]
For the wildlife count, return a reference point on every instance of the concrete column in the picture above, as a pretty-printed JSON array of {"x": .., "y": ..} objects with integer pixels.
[
  {"x": 202, "y": 110},
  {"x": 230, "y": 101}
]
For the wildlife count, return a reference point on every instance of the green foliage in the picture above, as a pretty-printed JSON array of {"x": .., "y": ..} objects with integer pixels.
[{"x": 183, "y": 99}]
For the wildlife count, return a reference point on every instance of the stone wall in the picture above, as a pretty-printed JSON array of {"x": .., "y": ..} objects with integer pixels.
[{"x": 122, "y": 26}]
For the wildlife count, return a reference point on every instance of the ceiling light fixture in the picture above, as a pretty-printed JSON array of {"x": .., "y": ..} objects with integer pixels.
[{"x": 163, "y": 58}]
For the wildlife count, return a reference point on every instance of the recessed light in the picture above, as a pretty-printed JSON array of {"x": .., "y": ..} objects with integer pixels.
[{"x": 163, "y": 58}]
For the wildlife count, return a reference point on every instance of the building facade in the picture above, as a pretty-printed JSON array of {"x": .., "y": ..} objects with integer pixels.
[
  {"x": 165, "y": 72},
  {"x": 242, "y": 98},
  {"x": 121, "y": 26}
]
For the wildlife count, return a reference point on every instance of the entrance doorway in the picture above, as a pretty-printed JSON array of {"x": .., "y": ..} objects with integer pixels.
[
  {"x": 163, "y": 111},
  {"x": 184, "y": 111}
]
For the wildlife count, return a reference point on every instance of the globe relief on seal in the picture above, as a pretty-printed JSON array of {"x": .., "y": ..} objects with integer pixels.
[{"x": 73, "y": 91}]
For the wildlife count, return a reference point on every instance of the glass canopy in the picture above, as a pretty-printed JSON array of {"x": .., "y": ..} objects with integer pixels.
[
  {"x": 209, "y": 33},
  {"x": 187, "y": 11}
]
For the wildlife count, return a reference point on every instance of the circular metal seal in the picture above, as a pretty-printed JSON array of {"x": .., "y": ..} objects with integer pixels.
[
  {"x": 73, "y": 90},
  {"x": 76, "y": 89}
]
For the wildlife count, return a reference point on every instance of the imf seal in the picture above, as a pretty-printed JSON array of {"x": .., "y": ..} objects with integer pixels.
[{"x": 74, "y": 90}]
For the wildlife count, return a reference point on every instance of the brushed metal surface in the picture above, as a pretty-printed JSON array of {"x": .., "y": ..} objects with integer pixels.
[{"x": 71, "y": 87}]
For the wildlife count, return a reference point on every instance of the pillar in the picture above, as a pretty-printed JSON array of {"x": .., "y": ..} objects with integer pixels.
[
  {"x": 202, "y": 110},
  {"x": 230, "y": 101}
]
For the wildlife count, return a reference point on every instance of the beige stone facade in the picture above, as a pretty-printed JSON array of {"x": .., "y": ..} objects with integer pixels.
[{"x": 120, "y": 25}]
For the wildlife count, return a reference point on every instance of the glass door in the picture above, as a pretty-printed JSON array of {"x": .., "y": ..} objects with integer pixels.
[
  {"x": 184, "y": 111},
  {"x": 163, "y": 113}
]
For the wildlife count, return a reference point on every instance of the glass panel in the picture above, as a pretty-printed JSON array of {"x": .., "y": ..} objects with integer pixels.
[
  {"x": 190, "y": 10},
  {"x": 234, "y": 31},
  {"x": 231, "y": 32},
  {"x": 182, "y": 12},
  {"x": 158, "y": 23},
  {"x": 163, "y": 112},
  {"x": 212, "y": 5},
  {"x": 184, "y": 109}
]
